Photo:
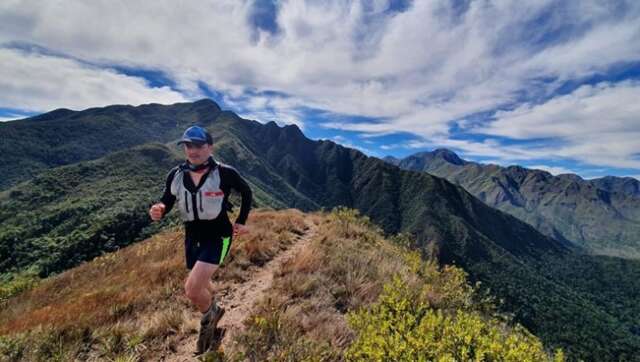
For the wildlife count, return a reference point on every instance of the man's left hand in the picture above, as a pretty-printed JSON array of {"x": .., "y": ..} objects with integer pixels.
[{"x": 239, "y": 229}]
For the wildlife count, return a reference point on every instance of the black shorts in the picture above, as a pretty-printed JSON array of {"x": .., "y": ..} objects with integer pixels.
[{"x": 212, "y": 249}]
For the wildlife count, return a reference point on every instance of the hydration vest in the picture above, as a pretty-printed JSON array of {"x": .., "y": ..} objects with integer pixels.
[{"x": 208, "y": 199}]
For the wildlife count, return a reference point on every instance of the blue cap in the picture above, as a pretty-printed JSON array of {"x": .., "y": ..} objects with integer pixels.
[{"x": 196, "y": 134}]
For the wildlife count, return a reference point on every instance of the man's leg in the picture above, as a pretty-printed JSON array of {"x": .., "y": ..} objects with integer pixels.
[
  {"x": 198, "y": 285},
  {"x": 199, "y": 290}
]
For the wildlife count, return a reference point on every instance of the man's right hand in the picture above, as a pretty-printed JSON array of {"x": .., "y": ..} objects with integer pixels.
[{"x": 156, "y": 211}]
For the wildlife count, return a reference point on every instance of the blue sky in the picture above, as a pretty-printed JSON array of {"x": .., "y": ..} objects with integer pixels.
[{"x": 544, "y": 84}]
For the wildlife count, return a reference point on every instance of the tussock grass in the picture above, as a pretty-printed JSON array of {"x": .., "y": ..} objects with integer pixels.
[
  {"x": 163, "y": 323},
  {"x": 325, "y": 304},
  {"x": 303, "y": 315},
  {"x": 126, "y": 305}
]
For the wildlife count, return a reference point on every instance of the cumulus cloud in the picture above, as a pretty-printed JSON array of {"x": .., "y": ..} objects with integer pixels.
[
  {"x": 346, "y": 143},
  {"x": 40, "y": 83},
  {"x": 554, "y": 170},
  {"x": 280, "y": 117},
  {"x": 419, "y": 69},
  {"x": 11, "y": 117},
  {"x": 487, "y": 149},
  {"x": 596, "y": 124}
]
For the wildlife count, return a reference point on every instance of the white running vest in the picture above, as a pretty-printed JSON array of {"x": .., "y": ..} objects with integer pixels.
[{"x": 208, "y": 198}]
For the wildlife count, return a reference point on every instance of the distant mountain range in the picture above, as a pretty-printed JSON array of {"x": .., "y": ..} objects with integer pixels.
[
  {"x": 63, "y": 136},
  {"x": 602, "y": 215},
  {"x": 57, "y": 216}
]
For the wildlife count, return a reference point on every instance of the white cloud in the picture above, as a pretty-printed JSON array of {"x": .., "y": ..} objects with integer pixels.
[
  {"x": 597, "y": 124},
  {"x": 281, "y": 118},
  {"x": 12, "y": 117},
  {"x": 605, "y": 44},
  {"x": 589, "y": 110},
  {"x": 343, "y": 141},
  {"x": 339, "y": 139},
  {"x": 262, "y": 108},
  {"x": 554, "y": 170},
  {"x": 410, "y": 61},
  {"x": 415, "y": 71},
  {"x": 485, "y": 149},
  {"x": 41, "y": 83}
]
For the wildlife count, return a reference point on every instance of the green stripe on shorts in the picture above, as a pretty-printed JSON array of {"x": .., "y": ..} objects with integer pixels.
[{"x": 225, "y": 248}]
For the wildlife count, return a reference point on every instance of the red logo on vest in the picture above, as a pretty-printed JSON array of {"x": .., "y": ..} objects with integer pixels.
[{"x": 213, "y": 193}]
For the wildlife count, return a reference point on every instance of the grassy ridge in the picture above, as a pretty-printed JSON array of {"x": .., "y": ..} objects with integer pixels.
[
  {"x": 127, "y": 303},
  {"x": 347, "y": 270},
  {"x": 347, "y": 297}
]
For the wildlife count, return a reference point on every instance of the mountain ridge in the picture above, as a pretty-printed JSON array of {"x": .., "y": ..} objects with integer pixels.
[
  {"x": 508, "y": 256},
  {"x": 601, "y": 214},
  {"x": 63, "y": 136}
]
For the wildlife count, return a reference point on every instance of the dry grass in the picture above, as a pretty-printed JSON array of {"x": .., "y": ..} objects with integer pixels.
[
  {"x": 129, "y": 305},
  {"x": 274, "y": 232},
  {"x": 163, "y": 323},
  {"x": 133, "y": 296},
  {"x": 102, "y": 291},
  {"x": 303, "y": 315},
  {"x": 271, "y": 232}
]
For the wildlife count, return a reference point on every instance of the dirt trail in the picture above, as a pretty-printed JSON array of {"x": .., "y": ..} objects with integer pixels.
[{"x": 238, "y": 298}]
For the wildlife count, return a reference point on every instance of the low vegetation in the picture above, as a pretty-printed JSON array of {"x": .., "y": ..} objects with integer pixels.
[
  {"x": 350, "y": 295},
  {"x": 127, "y": 305},
  {"x": 355, "y": 296}
]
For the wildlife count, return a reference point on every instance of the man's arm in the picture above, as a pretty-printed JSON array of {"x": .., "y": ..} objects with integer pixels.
[
  {"x": 238, "y": 183},
  {"x": 167, "y": 200}
]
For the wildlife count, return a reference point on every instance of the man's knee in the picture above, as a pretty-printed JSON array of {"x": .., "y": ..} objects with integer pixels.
[
  {"x": 198, "y": 280},
  {"x": 192, "y": 288}
]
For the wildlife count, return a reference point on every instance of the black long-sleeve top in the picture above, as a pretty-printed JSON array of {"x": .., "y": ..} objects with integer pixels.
[{"x": 229, "y": 179}]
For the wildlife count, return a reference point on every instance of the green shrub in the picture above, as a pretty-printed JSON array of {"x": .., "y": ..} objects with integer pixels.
[
  {"x": 347, "y": 219},
  {"x": 14, "y": 283},
  {"x": 12, "y": 348},
  {"x": 404, "y": 326}
]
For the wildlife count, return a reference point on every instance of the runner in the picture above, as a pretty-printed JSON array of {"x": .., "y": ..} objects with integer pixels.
[{"x": 201, "y": 187}]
